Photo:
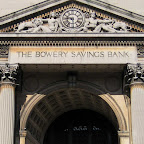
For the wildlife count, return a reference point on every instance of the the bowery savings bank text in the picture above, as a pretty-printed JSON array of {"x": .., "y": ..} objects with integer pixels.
[
  {"x": 74, "y": 54},
  {"x": 47, "y": 55}
]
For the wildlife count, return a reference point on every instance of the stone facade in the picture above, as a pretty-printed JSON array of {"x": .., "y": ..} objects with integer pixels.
[{"x": 71, "y": 55}]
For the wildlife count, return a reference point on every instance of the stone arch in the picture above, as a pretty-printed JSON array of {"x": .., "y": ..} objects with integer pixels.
[{"x": 94, "y": 89}]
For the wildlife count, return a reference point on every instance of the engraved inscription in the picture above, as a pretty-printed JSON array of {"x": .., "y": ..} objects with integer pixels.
[{"x": 75, "y": 55}]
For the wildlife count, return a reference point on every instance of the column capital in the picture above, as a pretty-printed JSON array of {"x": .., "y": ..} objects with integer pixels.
[
  {"x": 8, "y": 73},
  {"x": 23, "y": 133},
  {"x": 123, "y": 133},
  {"x": 133, "y": 75}
]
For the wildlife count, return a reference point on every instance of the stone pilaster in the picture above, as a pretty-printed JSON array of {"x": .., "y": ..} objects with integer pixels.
[
  {"x": 134, "y": 78},
  {"x": 7, "y": 103},
  {"x": 124, "y": 137},
  {"x": 23, "y": 134}
]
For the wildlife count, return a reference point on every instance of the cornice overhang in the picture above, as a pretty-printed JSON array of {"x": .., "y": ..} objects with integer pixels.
[
  {"x": 72, "y": 35},
  {"x": 50, "y": 3}
]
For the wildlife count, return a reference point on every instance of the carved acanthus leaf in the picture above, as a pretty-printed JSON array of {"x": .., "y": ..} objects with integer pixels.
[
  {"x": 9, "y": 72},
  {"x": 134, "y": 73}
]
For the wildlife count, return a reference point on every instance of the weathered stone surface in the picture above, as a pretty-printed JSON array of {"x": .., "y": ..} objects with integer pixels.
[{"x": 73, "y": 55}]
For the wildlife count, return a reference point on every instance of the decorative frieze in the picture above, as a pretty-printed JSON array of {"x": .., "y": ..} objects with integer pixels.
[
  {"x": 72, "y": 21},
  {"x": 9, "y": 73},
  {"x": 46, "y": 14},
  {"x": 69, "y": 42}
]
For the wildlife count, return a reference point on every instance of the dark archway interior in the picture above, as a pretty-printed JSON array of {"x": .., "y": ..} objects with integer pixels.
[{"x": 81, "y": 127}]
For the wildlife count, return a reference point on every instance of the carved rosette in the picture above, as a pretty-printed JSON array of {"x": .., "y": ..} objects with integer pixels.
[
  {"x": 9, "y": 73},
  {"x": 4, "y": 50},
  {"x": 134, "y": 74},
  {"x": 140, "y": 51}
]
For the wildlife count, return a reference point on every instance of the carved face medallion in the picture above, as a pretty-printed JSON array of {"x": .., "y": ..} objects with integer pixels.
[{"x": 72, "y": 18}]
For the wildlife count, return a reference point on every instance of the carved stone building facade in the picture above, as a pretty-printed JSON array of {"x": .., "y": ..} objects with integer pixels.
[{"x": 72, "y": 71}]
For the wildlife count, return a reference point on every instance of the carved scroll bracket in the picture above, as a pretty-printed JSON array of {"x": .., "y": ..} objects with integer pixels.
[
  {"x": 9, "y": 73},
  {"x": 134, "y": 74}
]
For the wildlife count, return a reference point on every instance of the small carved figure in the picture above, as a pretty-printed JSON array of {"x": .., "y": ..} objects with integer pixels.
[
  {"x": 121, "y": 26},
  {"x": 105, "y": 25},
  {"x": 90, "y": 23},
  {"x": 29, "y": 26},
  {"x": 96, "y": 25},
  {"x": 53, "y": 24}
]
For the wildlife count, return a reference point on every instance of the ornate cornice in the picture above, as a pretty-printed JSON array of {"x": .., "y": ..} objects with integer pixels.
[
  {"x": 134, "y": 74},
  {"x": 9, "y": 73}
]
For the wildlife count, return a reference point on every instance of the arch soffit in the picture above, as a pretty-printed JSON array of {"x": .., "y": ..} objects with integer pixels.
[{"x": 30, "y": 104}]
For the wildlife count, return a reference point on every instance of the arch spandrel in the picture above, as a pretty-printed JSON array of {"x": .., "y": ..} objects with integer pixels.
[{"x": 85, "y": 98}]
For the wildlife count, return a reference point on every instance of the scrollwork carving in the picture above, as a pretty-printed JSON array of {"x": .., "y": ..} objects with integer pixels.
[{"x": 8, "y": 73}]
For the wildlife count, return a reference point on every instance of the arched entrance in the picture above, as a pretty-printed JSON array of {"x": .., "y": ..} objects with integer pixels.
[
  {"x": 81, "y": 127},
  {"x": 41, "y": 110}
]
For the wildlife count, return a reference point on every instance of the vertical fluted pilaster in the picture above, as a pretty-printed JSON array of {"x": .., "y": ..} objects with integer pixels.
[
  {"x": 134, "y": 82},
  {"x": 7, "y": 113},
  {"x": 8, "y": 80},
  {"x": 137, "y": 109}
]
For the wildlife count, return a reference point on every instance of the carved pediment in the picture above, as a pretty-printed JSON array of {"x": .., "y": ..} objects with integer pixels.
[{"x": 70, "y": 17}]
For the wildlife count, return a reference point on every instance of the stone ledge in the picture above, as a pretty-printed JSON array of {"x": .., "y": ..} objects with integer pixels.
[{"x": 103, "y": 35}]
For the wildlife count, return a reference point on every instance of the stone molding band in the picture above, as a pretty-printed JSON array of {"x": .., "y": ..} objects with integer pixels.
[{"x": 23, "y": 133}]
